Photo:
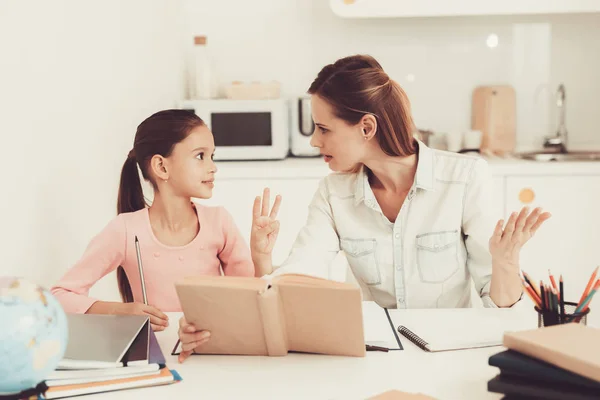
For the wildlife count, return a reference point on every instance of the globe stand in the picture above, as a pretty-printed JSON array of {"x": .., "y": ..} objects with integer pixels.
[{"x": 26, "y": 394}]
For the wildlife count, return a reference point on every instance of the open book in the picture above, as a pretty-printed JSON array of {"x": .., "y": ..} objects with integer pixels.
[{"x": 254, "y": 316}]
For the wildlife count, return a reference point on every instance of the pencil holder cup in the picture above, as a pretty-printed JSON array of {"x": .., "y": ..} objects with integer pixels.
[{"x": 549, "y": 318}]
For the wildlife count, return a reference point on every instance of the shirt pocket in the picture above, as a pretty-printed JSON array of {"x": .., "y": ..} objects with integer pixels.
[
  {"x": 362, "y": 259},
  {"x": 437, "y": 255}
]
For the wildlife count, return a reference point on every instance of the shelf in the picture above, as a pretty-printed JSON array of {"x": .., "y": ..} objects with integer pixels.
[{"x": 447, "y": 8}]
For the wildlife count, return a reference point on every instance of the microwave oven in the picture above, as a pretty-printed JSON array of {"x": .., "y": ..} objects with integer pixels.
[{"x": 245, "y": 129}]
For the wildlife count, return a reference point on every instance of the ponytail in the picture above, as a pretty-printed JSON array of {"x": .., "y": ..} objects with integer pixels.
[
  {"x": 131, "y": 195},
  {"x": 131, "y": 198}
]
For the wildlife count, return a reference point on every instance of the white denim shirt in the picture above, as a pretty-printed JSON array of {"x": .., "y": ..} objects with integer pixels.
[{"x": 428, "y": 256}]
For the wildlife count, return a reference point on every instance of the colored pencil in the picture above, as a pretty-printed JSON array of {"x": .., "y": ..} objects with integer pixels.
[
  {"x": 552, "y": 280},
  {"x": 562, "y": 298},
  {"x": 532, "y": 284},
  {"x": 588, "y": 287},
  {"x": 543, "y": 297},
  {"x": 586, "y": 303},
  {"x": 531, "y": 293}
]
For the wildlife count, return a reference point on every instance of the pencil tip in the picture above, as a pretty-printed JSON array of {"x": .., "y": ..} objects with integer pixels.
[{"x": 136, "y": 239}]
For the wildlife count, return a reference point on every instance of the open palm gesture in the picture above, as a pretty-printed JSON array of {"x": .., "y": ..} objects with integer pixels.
[
  {"x": 505, "y": 244},
  {"x": 265, "y": 226}
]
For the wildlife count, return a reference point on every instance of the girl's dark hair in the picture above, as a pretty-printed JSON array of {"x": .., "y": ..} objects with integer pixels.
[
  {"x": 157, "y": 134},
  {"x": 357, "y": 85}
]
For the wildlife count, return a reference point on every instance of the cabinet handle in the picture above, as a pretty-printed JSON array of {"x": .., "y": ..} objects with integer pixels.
[{"x": 526, "y": 195}]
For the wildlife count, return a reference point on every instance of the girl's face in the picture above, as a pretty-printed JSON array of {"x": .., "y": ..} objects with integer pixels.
[
  {"x": 341, "y": 144},
  {"x": 191, "y": 167}
]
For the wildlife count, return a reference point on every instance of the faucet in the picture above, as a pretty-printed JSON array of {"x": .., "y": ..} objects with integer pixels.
[{"x": 559, "y": 142}]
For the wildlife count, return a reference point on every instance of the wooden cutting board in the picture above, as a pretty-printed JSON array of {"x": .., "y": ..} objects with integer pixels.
[{"x": 494, "y": 114}]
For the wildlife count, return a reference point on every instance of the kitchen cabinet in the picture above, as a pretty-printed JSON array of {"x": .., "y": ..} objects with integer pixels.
[
  {"x": 440, "y": 8},
  {"x": 498, "y": 197},
  {"x": 569, "y": 242}
]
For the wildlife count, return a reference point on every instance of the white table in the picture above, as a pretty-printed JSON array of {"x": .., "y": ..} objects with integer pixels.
[{"x": 445, "y": 375}]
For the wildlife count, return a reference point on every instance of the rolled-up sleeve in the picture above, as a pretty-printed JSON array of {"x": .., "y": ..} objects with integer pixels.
[
  {"x": 478, "y": 224},
  {"x": 317, "y": 243}
]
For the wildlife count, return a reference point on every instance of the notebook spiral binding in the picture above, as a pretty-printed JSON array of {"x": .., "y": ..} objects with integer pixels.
[{"x": 413, "y": 338}]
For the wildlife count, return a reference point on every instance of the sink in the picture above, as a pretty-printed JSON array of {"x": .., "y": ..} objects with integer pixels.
[{"x": 569, "y": 156}]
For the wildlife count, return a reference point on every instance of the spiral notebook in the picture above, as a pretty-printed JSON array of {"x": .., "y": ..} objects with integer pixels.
[{"x": 456, "y": 329}]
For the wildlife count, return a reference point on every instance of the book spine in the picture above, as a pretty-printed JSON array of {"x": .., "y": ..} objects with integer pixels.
[{"x": 273, "y": 321}]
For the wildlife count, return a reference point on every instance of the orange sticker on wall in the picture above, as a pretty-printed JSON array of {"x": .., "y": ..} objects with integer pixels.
[{"x": 526, "y": 196}]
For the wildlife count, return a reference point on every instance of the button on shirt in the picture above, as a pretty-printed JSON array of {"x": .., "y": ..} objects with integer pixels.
[{"x": 428, "y": 257}]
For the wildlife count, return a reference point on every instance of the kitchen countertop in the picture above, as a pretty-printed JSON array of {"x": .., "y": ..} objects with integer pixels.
[{"x": 315, "y": 167}]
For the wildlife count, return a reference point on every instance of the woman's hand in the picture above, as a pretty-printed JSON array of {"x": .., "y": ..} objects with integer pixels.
[
  {"x": 265, "y": 226},
  {"x": 190, "y": 338},
  {"x": 505, "y": 244}
]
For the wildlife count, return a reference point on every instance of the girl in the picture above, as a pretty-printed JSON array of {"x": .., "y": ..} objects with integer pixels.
[{"x": 177, "y": 238}]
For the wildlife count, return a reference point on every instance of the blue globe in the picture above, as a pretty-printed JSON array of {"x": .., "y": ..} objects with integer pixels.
[{"x": 33, "y": 334}]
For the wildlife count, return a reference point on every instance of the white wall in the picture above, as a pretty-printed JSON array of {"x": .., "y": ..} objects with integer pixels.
[
  {"x": 76, "y": 78},
  {"x": 447, "y": 57}
]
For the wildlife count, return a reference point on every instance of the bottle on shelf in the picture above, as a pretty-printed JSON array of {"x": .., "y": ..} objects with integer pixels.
[{"x": 202, "y": 83}]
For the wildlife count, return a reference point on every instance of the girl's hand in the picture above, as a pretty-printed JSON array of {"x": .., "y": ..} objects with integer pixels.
[
  {"x": 505, "y": 244},
  {"x": 265, "y": 226},
  {"x": 190, "y": 338},
  {"x": 158, "y": 320}
]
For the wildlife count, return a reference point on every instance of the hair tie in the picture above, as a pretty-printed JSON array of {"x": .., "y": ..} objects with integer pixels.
[{"x": 131, "y": 155}]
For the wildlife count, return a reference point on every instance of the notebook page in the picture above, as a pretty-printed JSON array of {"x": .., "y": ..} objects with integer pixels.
[
  {"x": 377, "y": 329},
  {"x": 451, "y": 329}
]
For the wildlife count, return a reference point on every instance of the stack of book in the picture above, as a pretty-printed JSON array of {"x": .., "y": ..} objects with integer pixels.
[
  {"x": 108, "y": 353},
  {"x": 558, "y": 362}
]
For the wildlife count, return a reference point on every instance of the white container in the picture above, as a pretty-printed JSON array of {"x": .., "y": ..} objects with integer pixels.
[
  {"x": 203, "y": 82},
  {"x": 253, "y": 91},
  {"x": 472, "y": 139},
  {"x": 454, "y": 141}
]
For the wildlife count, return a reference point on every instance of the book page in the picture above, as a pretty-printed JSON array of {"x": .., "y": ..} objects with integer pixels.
[
  {"x": 310, "y": 281},
  {"x": 242, "y": 282}
]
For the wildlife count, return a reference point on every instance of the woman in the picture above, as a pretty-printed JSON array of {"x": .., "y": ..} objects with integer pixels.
[{"x": 414, "y": 222}]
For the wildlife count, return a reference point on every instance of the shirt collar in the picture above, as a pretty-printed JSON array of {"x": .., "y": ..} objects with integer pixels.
[
  {"x": 423, "y": 176},
  {"x": 425, "y": 167}
]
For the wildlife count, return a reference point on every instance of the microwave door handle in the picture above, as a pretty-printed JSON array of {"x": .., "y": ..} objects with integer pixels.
[{"x": 301, "y": 121}]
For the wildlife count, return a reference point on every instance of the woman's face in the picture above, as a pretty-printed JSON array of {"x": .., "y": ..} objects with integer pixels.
[{"x": 342, "y": 145}]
